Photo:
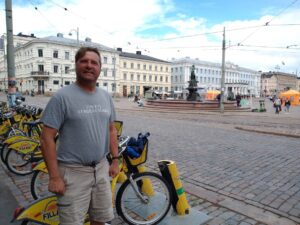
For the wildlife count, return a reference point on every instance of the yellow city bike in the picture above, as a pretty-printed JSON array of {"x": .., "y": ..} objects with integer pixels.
[
  {"x": 142, "y": 198},
  {"x": 33, "y": 131}
]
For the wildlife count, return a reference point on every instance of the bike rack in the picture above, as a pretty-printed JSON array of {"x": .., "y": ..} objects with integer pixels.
[{"x": 184, "y": 214}]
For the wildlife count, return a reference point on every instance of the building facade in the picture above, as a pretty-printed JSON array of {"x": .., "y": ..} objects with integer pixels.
[
  {"x": 237, "y": 79},
  {"x": 272, "y": 83},
  {"x": 139, "y": 73},
  {"x": 46, "y": 64}
]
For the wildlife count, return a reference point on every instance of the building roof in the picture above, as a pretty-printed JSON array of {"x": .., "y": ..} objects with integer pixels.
[
  {"x": 271, "y": 73},
  {"x": 70, "y": 42},
  {"x": 228, "y": 65},
  {"x": 138, "y": 55}
]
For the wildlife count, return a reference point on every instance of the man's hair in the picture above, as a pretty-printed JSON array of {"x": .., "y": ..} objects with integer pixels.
[{"x": 83, "y": 50}]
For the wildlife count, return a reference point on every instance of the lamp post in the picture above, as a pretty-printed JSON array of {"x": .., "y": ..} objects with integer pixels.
[{"x": 77, "y": 34}]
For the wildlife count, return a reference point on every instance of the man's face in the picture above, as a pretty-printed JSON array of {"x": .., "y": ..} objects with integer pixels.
[{"x": 88, "y": 67}]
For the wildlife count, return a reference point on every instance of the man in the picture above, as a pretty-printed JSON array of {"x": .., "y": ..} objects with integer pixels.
[
  {"x": 83, "y": 116},
  {"x": 238, "y": 100}
]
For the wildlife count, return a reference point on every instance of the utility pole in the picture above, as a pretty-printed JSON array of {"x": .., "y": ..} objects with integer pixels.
[
  {"x": 223, "y": 74},
  {"x": 10, "y": 55}
]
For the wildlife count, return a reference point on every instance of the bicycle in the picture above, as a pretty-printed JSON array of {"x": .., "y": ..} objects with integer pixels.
[{"x": 143, "y": 198}]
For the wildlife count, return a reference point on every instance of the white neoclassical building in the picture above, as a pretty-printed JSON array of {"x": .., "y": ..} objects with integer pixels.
[
  {"x": 139, "y": 73},
  {"x": 46, "y": 64},
  {"x": 237, "y": 79}
]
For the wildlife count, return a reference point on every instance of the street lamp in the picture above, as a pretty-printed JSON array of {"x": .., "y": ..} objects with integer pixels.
[{"x": 77, "y": 34}]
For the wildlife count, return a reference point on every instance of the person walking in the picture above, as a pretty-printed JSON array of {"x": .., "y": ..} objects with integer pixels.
[
  {"x": 277, "y": 105},
  {"x": 287, "y": 105},
  {"x": 238, "y": 100},
  {"x": 83, "y": 116}
]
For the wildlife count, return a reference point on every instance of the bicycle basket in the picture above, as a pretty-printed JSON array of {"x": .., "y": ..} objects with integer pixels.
[{"x": 140, "y": 160}]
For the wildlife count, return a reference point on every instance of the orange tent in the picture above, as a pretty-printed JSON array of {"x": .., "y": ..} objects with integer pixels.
[
  {"x": 292, "y": 95},
  {"x": 212, "y": 94}
]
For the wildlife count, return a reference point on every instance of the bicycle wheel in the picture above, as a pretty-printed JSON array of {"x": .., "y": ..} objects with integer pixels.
[
  {"x": 3, "y": 152},
  {"x": 17, "y": 163},
  {"x": 27, "y": 222},
  {"x": 156, "y": 192},
  {"x": 39, "y": 184}
]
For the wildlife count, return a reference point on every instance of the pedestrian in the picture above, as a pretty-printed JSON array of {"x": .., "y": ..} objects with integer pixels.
[
  {"x": 83, "y": 116},
  {"x": 287, "y": 105},
  {"x": 277, "y": 105},
  {"x": 238, "y": 100}
]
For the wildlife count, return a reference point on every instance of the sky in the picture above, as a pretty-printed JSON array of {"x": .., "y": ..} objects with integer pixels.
[{"x": 262, "y": 35}]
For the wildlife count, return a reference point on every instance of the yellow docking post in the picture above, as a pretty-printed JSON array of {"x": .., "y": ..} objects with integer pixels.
[{"x": 169, "y": 171}]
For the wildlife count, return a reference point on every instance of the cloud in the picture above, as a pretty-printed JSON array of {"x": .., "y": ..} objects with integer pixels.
[{"x": 164, "y": 32}]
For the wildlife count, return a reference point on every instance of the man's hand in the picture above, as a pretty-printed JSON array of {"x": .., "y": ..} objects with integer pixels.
[
  {"x": 114, "y": 168},
  {"x": 57, "y": 185}
]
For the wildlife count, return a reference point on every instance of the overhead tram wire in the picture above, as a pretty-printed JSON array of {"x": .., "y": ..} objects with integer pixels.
[
  {"x": 268, "y": 23},
  {"x": 213, "y": 32},
  {"x": 79, "y": 16},
  {"x": 45, "y": 18}
]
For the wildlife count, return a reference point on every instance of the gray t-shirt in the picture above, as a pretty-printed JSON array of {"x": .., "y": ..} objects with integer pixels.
[{"x": 82, "y": 120}]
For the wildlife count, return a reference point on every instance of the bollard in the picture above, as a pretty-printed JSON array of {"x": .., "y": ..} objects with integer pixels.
[
  {"x": 147, "y": 187},
  {"x": 170, "y": 173}
]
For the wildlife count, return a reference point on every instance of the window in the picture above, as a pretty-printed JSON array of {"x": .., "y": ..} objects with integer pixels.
[
  {"x": 161, "y": 68},
  {"x": 67, "y": 68},
  {"x": 138, "y": 66},
  {"x": 144, "y": 66},
  {"x": 150, "y": 77},
  {"x": 131, "y": 77},
  {"x": 138, "y": 77},
  {"x": 105, "y": 72},
  {"x": 144, "y": 78},
  {"x": 55, "y": 69},
  {"x": 124, "y": 64},
  {"x": 150, "y": 67},
  {"x": 55, "y": 54},
  {"x": 167, "y": 69},
  {"x": 167, "y": 79},
  {"x": 105, "y": 59},
  {"x": 161, "y": 78},
  {"x": 41, "y": 68},
  {"x": 113, "y": 72},
  {"x": 56, "y": 82},
  {"x": 67, "y": 82},
  {"x": 155, "y": 68},
  {"x": 113, "y": 60},
  {"x": 132, "y": 65},
  {"x": 67, "y": 55},
  {"x": 40, "y": 52},
  {"x": 155, "y": 78},
  {"x": 124, "y": 76}
]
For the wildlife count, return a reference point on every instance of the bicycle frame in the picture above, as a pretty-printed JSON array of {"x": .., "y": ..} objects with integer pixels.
[{"x": 44, "y": 210}]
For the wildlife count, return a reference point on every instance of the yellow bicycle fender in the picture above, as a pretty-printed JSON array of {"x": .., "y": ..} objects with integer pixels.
[
  {"x": 3, "y": 129},
  {"x": 43, "y": 211},
  {"x": 24, "y": 147},
  {"x": 42, "y": 167},
  {"x": 15, "y": 138}
]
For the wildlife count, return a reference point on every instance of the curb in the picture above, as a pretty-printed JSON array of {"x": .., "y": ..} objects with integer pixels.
[{"x": 268, "y": 132}]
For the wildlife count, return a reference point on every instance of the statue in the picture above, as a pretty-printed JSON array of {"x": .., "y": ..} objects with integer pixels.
[{"x": 192, "y": 88}]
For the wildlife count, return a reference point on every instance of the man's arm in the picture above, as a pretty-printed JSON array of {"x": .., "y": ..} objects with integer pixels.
[
  {"x": 48, "y": 147},
  {"x": 114, "y": 168}
]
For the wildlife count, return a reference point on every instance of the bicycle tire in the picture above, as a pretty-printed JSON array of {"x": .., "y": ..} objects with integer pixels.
[
  {"x": 3, "y": 152},
  {"x": 39, "y": 184},
  {"x": 135, "y": 212},
  {"x": 17, "y": 166},
  {"x": 27, "y": 222}
]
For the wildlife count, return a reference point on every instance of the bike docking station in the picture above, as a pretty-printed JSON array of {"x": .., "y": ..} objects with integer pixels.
[{"x": 182, "y": 212}]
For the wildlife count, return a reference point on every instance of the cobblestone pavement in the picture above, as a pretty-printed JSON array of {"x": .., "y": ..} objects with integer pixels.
[{"x": 233, "y": 175}]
